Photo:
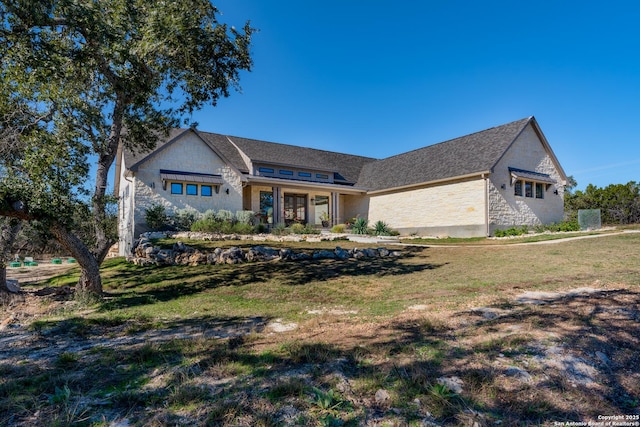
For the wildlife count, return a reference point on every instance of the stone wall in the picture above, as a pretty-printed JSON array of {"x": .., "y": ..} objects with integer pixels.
[
  {"x": 507, "y": 209},
  {"x": 145, "y": 253}
]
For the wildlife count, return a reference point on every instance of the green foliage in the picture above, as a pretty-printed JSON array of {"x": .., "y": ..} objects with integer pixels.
[
  {"x": 156, "y": 217},
  {"x": 245, "y": 217},
  {"x": 541, "y": 228},
  {"x": 279, "y": 229},
  {"x": 297, "y": 228},
  {"x": 225, "y": 216},
  {"x": 74, "y": 75},
  {"x": 619, "y": 203},
  {"x": 380, "y": 228},
  {"x": 339, "y": 228},
  {"x": 211, "y": 224},
  {"x": 360, "y": 226},
  {"x": 183, "y": 219},
  {"x": 513, "y": 231}
]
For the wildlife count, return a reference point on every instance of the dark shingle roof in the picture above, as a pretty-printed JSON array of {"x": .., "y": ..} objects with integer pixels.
[
  {"x": 346, "y": 165},
  {"x": 474, "y": 153},
  {"x": 466, "y": 155}
]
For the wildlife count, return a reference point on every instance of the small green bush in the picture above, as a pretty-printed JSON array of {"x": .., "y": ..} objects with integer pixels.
[
  {"x": 338, "y": 228},
  {"x": 225, "y": 216},
  {"x": 245, "y": 217},
  {"x": 279, "y": 230},
  {"x": 184, "y": 218},
  {"x": 207, "y": 225},
  {"x": 360, "y": 226},
  {"x": 380, "y": 228},
  {"x": 156, "y": 217},
  {"x": 242, "y": 228},
  {"x": 297, "y": 228}
]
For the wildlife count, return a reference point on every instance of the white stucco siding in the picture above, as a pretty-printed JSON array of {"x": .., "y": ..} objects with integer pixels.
[
  {"x": 455, "y": 209},
  {"x": 126, "y": 207},
  {"x": 507, "y": 209},
  {"x": 189, "y": 154}
]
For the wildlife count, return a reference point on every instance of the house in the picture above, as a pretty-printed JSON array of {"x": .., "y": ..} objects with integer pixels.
[{"x": 469, "y": 186}]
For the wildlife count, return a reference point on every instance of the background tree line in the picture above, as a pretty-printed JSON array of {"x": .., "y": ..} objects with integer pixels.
[{"x": 618, "y": 203}]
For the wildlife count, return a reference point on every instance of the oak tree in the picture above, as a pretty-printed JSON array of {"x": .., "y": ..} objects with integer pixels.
[{"x": 90, "y": 78}]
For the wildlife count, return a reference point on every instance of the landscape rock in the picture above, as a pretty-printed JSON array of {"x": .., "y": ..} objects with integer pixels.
[
  {"x": 518, "y": 373},
  {"x": 324, "y": 255},
  {"x": 145, "y": 253},
  {"x": 12, "y": 286},
  {"x": 341, "y": 253},
  {"x": 382, "y": 397},
  {"x": 603, "y": 358},
  {"x": 452, "y": 383}
]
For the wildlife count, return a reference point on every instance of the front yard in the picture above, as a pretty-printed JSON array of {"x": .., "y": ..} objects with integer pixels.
[{"x": 496, "y": 335}]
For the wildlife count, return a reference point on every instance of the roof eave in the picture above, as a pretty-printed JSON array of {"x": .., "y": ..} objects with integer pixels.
[
  {"x": 481, "y": 174},
  {"x": 316, "y": 185}
]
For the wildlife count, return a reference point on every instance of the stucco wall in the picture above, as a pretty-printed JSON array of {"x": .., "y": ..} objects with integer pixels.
[
  {"x": 455, "y": 209},
  {"x": 189, "y": 154},
  {"x": 506, "y": 209},
  {"x": 126, "y": 206}
]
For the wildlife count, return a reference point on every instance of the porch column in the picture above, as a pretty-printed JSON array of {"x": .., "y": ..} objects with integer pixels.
[
  {"x": 335, "y": 208},
  {"x": 277, "y": 205}
]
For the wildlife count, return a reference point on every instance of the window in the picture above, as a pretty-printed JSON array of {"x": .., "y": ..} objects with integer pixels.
[
  {"x": 539, "y": 191},
  {"x": 265, "y": 170},
  {"x": 322, "y": 176},
  {"x": 518, "y": 188},
  {"x": 205, "y": 190},
  {"x": 176, "y": 188},
  {"x": 192, "y": 190},
  {"x": 528, "y": 189},
  {"x": 304, "y": 174},
  {"x": 266, "y": 207},
  {"x": 285, "y": 172}
]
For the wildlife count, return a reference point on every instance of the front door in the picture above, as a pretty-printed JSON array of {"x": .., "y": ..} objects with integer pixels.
[{"x": 295, "y": 208}]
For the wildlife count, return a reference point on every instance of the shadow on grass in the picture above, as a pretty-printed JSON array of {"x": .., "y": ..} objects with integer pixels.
[
  {"x": 152, "y": 284},
  {"x": 226, "y": 382}
]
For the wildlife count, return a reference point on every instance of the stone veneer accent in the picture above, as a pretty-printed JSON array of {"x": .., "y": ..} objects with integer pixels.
[{"x": 506, "y": 209}]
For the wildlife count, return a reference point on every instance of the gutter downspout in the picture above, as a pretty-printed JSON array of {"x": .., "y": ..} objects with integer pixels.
[{"x": 486, "y": 204}]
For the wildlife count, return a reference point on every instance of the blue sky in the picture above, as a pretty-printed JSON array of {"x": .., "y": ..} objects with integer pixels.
[{"x": 380, "y": 78}]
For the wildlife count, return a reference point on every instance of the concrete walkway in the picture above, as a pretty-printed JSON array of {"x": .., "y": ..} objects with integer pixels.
[{"x": 542, "y": 242}]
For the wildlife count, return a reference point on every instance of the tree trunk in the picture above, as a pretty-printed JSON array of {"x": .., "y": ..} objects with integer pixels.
[
  {"x": 90, "y": 281},
  {"x": 3, "y": 279},
  {"x": 8, "y": 234}
]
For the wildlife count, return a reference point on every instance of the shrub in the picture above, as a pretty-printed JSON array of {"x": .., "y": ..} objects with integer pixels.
[
  {"x": 184, "y": 218},
  {"x": 513, "y": 231},
  {"x": 245, "y": 217},
  {"x": 360, "y": 226},
  {"x": 297, "y": 228},
  {"x": 242, "y": 228},
  {"x": 380, "y": 228},
  {"x": 156, "y": 217},
  {"x": 310, "y": 229},
  {"x": 206, "y": 225},
  {"x": 338, "y": 228},
  {"x": 210, "y": 215},
  {"x": 279, "y": 230},
  {"x": 225, "y": 216}
]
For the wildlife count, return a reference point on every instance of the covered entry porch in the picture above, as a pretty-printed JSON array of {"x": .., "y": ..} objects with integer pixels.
[{"x": 278, "y": 201}]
